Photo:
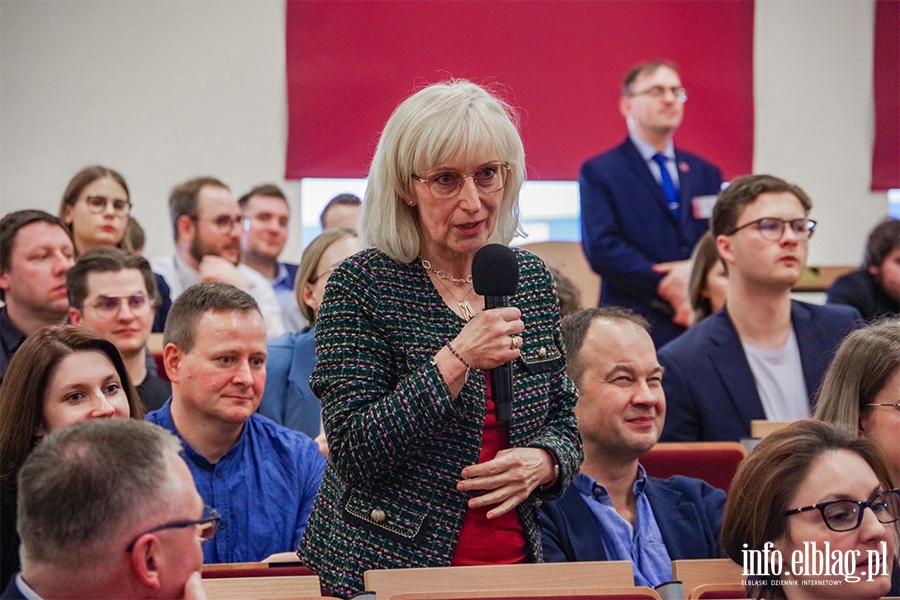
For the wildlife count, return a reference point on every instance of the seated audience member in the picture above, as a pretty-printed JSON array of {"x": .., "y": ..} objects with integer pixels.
[
  {"x": 764, "y": 356},
  {"x": 35, "y": 252},
  {"x": 207, "y": 224},
  {"x": 861, "y": 390},
  {"x": 568, "y": 294},
  {"x": 341, "y": 212},
  {"x": 708, "y": 285},
  {"x": 811, "y": 486},
  {"x": 260, "y": 476},
  {"x": 287, "y": 399},
  {"x": 59, "y": 376},
  {"x": 108, "y": 509},
  {"x": 266, "y": 220},
  {"x": 874, "y": 289},
  {"x": 113, "y": 293},
  {"x": 613, "y": 510},
  {"x": 95, "y": 206}
]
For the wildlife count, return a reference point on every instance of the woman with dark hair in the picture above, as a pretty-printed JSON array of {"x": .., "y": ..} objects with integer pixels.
[
  {"x": 708, "y": 285},
  {"x": 861, "y": 390},
  {"x": 811, "y": 486},
  {"x": 60, "y": 375},
  {"x": 95, "y": 206}
]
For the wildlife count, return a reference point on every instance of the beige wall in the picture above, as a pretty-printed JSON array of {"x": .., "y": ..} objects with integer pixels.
[{"x": 168, "y": 90}]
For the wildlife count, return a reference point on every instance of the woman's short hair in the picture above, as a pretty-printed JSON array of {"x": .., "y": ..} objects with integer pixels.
[
  {"x": 769, "y": 478},
  {"x": 25, "y": 383},
  {"x": 865, "y": 362},
  {"x": 455, "y": 120},
  {"x": 309, "y": 264},
  {"x": 702, "y": 261},
  {"x": 81, "y": 180}
]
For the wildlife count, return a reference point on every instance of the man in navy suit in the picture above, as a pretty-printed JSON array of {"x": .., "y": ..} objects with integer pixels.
[
  {"x": 645, "y": 204},
  {"x": 612, "y": 510},
  {"x": 763, "y": 356}
]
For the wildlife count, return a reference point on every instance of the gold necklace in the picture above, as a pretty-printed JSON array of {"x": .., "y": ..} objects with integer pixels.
[
  {"x": 465, "y": 309},
  {"x": 441, "y": 275}
]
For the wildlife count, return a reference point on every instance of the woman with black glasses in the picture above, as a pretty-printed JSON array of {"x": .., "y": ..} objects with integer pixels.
[
  {"x": 812, "y": 513},
  {"x": 95, "y": 206}
]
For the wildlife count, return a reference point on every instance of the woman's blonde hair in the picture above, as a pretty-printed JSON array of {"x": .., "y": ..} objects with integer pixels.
[
  {"x": 454, "y": 120},
  {"x": 309, "y": 265},
  {"x": 702, "y": 261},
  {"x": 863, "y": 365}
]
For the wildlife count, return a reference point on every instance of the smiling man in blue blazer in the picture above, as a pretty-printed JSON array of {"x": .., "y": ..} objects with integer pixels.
[
  {"x": 613, "y": 510},
  {"x": 763, "y": 356},
  {"x": 640, "y": 220}
]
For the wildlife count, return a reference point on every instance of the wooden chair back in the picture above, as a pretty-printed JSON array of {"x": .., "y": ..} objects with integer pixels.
[
  {"x": 760, "y": 428},
  {"x": 719, "y": 591},
  {"x": 263, "y": 588},
  {"x": 719, "y": 571},
  {"x": 713, "y": 462},
  {"x": 388, "y": 582},
  {"x": 604, "y": 593}
]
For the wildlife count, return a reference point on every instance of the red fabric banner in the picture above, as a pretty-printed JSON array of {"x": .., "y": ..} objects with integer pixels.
[
  {"x": 561, "y": 63},
  {"x": 886, "y": 89}
]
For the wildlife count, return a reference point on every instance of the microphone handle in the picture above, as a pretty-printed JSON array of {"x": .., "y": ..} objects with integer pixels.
[{"x": 501, "y": 377}]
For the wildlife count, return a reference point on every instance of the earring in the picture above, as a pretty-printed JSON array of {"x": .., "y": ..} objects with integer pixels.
[{"x": 411, "y": 203}]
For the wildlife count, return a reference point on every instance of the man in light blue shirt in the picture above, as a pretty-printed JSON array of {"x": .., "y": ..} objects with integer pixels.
[{"x": 613, "y": 510}]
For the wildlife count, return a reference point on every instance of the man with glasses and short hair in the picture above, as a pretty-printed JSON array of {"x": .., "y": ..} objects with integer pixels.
[
  {"x": 646, "y": 203},
  {"x": 764, "y": 355},
  {"x": 207, "y": 222},
  {"x": 113, "y": 293},
  {"x": 108, "y": 509},
  {"x": 36, "y": 250}
]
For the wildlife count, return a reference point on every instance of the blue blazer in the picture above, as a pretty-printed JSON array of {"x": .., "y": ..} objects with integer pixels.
[
  {"x": 626, "y": 227},
  {"x": 688, "y": 512},
  {"x": 12, "y": 591},
  {"x": 287, "y": 399},
  {"x": 710, "y": 390}
]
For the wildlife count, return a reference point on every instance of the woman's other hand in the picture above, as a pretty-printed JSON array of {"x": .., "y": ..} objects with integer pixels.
[{"x": 508, "y": 479}]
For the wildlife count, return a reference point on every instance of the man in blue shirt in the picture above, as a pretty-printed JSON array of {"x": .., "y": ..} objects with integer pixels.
[
  {"x": 261, "y": 477},
  {"x": 613, "y": 510}
]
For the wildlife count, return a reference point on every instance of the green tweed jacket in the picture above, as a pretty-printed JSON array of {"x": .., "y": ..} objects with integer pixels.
[{"x": 398, "y": 439}]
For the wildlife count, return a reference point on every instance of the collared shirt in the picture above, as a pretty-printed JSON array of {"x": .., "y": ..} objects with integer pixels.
[
  {"x": 26, "y": 590},
  {"x": 264, "y": 488},
  {"x": 179, "y": 276},
  {"x": 283, "y": 284},
  {"x": 648, "y": 151},
  {"x": 10, "y": 340},
  {"x": 642, "y": 543}
]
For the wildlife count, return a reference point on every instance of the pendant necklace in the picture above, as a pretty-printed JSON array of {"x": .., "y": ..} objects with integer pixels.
[{"x": 465, "y": 309}]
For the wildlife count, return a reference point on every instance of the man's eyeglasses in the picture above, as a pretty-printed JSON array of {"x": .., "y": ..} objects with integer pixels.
[
  {"x": 98, "y": 204},
  {"x": 658, "y": 91},
  {"x": 847, "y": 515},
  {"x": 207, "y": 526},
  {"x": 772, "y": 228},
  {"x": 109, "y": 306},
  {"x": 444, "y": 184},
  {"x": 225, "y": 223}
]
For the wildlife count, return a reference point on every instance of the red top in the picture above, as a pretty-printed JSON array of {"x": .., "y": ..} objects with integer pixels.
[{"x": 498, "y": 541}]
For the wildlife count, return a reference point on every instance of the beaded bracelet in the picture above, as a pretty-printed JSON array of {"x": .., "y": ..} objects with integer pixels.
[{"x": 463, "y": 361}]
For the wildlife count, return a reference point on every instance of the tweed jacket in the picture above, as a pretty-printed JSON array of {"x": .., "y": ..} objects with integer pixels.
[{"x": 398, "y": 439}]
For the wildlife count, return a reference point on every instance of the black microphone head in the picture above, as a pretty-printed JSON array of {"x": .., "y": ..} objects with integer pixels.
[{"x": 495, "y": 271}]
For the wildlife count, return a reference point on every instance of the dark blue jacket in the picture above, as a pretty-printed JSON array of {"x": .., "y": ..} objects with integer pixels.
[
  {"x": 688, "y": 512},
  {"x": 626, "y": 227},
  {"x": 710, "y": 390},
  {"x": 287, "y": 399}
]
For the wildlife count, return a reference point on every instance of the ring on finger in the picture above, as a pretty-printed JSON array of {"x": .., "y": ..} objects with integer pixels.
[{"x": 514, "y": 343}]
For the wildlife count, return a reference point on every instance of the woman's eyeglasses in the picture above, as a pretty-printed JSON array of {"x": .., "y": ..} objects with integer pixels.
[
  {"x": 207, "y": 526},
  {"x": 444, "y": 184},
  {"x": 98, "y": 204},
  {"x": 847, "y": 515}
]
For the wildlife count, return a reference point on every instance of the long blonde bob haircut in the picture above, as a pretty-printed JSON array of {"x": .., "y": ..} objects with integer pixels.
[{"x": 455, "y": 120}]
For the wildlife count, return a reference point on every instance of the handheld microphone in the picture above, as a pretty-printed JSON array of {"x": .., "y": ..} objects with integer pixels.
[{"x": 495, "y": 275}]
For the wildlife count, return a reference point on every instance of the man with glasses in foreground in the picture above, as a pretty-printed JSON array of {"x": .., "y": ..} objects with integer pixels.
[
  {"x": 764, "y": 355},
  {"x": 113, "y": 293},
  {"x": 108, "y": 509},
  {"x": 645, "y": 204},
  {"x": 207, "y": 223}
]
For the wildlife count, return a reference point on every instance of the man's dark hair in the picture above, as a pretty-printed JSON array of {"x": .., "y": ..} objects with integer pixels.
[
  {"x": 575, "y": 327},
  {"x": 9, "y": 228},
  {"x": 638, "y": 70},
  {"x": 135, "y": 235},
  {"x": 183, "y": 199},
  {"x": 196, "y": 301},
  {"x": 883, "y": 239},
  {"x": 85, "y": 484},
  {"x": 267, "y": 189},
  {"x": 106, "y": 260},
  {"x": 744, "y": 191},
  {"x": 339, "y": 200}
]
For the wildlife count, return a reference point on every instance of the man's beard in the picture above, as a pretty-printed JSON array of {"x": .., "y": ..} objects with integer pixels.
[{"x": 198, "y": 251}]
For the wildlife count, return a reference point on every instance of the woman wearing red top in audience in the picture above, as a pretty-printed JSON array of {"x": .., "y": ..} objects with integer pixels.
[{"x": 421, "y": 473}]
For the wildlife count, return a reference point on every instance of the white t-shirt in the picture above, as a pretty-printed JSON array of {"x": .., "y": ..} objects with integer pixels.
[{"x": 779, "y": 380}]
